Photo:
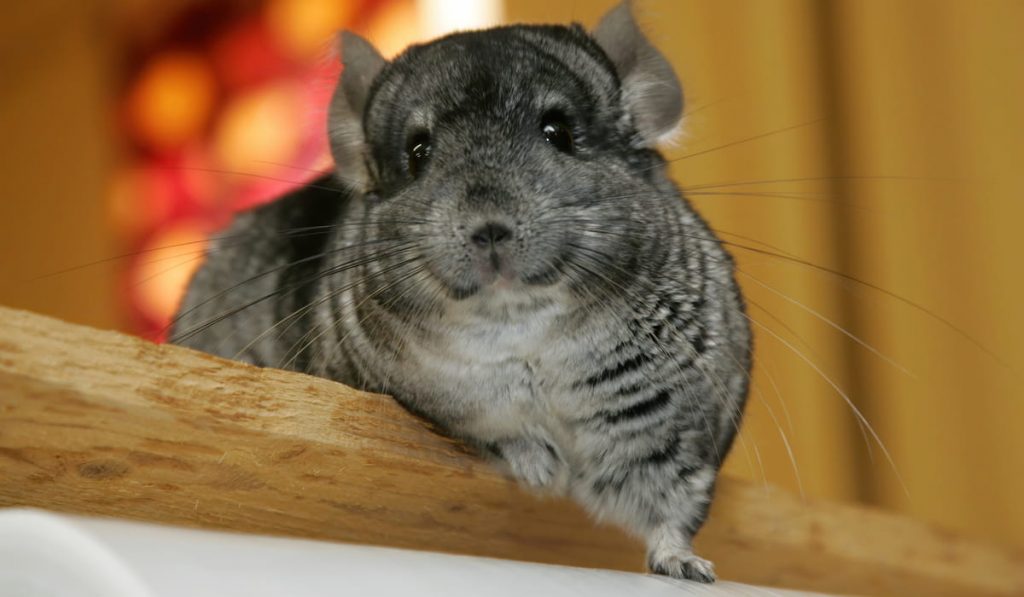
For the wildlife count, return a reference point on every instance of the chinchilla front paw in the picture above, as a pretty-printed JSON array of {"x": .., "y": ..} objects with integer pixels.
[
  {"x": 670, "y": 554},
  {"x": 535, "y": 463},
  {"x": 682, "y": 565}
]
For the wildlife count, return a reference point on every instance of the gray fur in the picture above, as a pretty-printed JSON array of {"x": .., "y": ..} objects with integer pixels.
[{"x": 592, "y": 339}]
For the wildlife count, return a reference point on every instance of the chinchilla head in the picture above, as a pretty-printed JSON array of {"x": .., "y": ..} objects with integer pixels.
[{"x": 514, "y": 158}]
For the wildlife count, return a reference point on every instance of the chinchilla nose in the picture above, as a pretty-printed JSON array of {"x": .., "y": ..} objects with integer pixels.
[{"x": 490, "y": 235}]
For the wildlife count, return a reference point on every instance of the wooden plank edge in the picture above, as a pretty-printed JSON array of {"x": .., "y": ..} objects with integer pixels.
[{"x": 97, "y": 422}]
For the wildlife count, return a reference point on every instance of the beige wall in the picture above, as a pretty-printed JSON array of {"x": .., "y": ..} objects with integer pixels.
[{"x": 55, "y": 159}]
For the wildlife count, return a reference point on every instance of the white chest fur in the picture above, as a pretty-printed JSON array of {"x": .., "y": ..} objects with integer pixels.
[{"x": 501, "y": 363}]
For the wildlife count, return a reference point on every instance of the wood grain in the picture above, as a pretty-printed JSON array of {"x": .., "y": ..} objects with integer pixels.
[{"x": 101, "y": 423}]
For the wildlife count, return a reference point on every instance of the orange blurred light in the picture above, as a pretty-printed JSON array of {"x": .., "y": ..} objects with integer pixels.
[
  {"x": 164, "y": 267},
  {"x": 395, "y": 26},
  {"x": 260, "y": 130},
  {"x": 305, "y": 28},
  {"x": 172, "y": 100},
  {"x": 126, "y": 202}
]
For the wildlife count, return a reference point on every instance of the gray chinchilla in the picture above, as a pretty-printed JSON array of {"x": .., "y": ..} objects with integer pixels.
[{"x": 500, "y": 249}]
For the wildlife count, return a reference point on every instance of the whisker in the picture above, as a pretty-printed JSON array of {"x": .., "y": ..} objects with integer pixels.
[
  {"x": 817, "y": 315},
  {"x": 384, "y": 288},
  {"x": 721, "y": 185},
  {"x": 782, "y": 433},
  {"x": 751, "y": 239},
  {"x": 853, "y": 407},
  {"x": 302, "y": 183},
  {"x": 189, "y": 259},
  {"x": 178, "y": 338},
  {"x": 821, "y": 268},
  {"x": 813, "y": 312},
  {"x": 771, "y": 379},
  {"x": 747, "y": 140},
  {"x": 916, "y": 306},
  {"x": 769, "y": 195},
  {"x": 271, "y": 271},
  {"x": 298, "y": 232},
  {"x": 295, "y": 315}
]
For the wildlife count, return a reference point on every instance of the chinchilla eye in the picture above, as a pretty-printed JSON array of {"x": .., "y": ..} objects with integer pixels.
[
  {"x": 557, "y": 131},
  {"x": 418, "y": 150}
]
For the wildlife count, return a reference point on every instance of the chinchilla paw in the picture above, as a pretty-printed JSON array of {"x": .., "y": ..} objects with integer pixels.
[
  {"x": 536, "y": 464},
  {"x": 686, "y": 566}
]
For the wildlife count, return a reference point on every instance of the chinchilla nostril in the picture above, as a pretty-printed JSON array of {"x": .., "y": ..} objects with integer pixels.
[{"x": 490, "y": 234}]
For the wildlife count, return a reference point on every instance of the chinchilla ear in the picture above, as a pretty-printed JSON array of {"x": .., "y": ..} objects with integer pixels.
[
  {"x": 361, "y": 63},
  {"x": 650, "y": 89}
]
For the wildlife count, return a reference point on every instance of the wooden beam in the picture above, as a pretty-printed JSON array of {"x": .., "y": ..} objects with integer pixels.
[{"x": 97, "y": 422}]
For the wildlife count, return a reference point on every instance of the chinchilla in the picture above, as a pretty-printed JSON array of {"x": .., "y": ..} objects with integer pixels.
[{"x": 501, "y": 249}]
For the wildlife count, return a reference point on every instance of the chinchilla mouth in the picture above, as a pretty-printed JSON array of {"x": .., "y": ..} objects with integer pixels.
[{"x": 548, "y": 275}]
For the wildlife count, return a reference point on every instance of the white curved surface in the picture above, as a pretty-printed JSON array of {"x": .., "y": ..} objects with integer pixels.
[{"x": 44, "y": 554}]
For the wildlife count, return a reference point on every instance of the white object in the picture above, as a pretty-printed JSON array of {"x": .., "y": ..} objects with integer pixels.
[
  {"x": 439, "y": 17},
  {"x": 55, "y": 555}
]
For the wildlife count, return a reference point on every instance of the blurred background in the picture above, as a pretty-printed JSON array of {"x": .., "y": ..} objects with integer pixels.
[{"x": 861, "y": 159}]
